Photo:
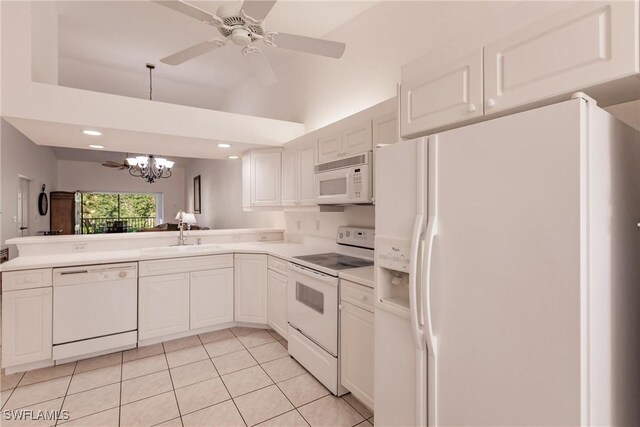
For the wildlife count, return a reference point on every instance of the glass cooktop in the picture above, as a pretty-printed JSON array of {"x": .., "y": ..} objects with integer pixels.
[{"x": 335, "y": 261}]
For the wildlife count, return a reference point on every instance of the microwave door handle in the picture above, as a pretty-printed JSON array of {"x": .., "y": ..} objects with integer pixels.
[{"x": 349, "y": 185}]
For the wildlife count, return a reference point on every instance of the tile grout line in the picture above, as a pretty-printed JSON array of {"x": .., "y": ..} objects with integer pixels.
[
  {"x": 173, "y": 389},
  {"x": 354, "y": 408},
  {"x": 276, "y": 384},
  {"x": 67, "y": 391},
  {"x": 224, "y": 385}
]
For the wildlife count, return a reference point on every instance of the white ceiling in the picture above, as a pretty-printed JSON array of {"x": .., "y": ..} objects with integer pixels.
[
  {"x": 128, "y": 34},
  {"x": 101, "y": 156}
]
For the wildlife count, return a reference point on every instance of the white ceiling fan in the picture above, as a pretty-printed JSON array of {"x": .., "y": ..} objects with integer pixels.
[{"x": 243, "y": 25}]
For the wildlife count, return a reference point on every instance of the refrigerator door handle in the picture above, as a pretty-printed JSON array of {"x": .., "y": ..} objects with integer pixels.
[
  {"x": 432, "y": 231},
  {"x": 414, "y": 309}
]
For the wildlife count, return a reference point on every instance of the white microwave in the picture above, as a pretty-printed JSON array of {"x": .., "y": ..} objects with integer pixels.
[{"x": 345, "y": 181}]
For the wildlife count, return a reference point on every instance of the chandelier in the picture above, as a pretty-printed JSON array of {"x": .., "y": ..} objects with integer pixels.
[{"x": 149, "y": 168}]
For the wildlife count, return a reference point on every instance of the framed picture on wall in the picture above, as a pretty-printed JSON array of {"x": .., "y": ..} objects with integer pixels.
[{"x": 196, "y": 195}]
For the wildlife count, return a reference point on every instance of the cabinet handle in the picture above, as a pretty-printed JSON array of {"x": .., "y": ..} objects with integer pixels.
[
  {"x": 472, "y": 108},
  {"x": 491, "y": 102},
  {"x": 339, "y": 306}
]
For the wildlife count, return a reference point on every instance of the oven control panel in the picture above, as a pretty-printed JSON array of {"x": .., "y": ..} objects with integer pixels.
[{"x": 356, "y": 236}]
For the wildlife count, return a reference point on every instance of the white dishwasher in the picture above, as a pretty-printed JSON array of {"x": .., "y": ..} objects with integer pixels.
[{"x": 94, "y": 309}]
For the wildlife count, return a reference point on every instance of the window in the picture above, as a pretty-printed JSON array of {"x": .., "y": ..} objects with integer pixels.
[{"x": 119, "y": 212}]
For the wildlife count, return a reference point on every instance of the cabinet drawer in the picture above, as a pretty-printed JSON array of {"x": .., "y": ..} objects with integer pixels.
[
  {"x": 184, "y": 265},
  {"x": 358, "y": 295},
  {"x": 277, "y": 264},
  {"x": 26, "y": 279}
]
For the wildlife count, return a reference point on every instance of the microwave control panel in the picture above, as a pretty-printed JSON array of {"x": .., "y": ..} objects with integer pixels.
[{"x": 356, "y": 177}]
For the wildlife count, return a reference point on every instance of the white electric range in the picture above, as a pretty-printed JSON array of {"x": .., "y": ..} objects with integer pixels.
[{"x": 312, "y": 304}]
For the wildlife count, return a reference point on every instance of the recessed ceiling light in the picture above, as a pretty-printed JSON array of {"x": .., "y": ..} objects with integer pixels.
[
  {"x": 91, "y": 132},
  {"x": 233, "y": 157},
  {"x": 224, "y": 145},
  {"x": 96, "y": 146}
]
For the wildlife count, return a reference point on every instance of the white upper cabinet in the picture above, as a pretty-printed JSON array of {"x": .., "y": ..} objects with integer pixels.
[
  {"x": 250, "y": 288},
  {"x": 385, "y": 129},
  {"x": 289, "y": 177},
  {"x": 591, "y": 47},
  {"x": 261, "y": 178},
  {"x": 306, "y": 163},
  {"x": 586, "y": 45},
  {"x": 438, "y": 95},
  {"x": 348, "y": 137},
  {"x": 298, "y": 161}
]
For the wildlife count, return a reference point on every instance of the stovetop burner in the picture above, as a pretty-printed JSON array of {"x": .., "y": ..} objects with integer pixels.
[{"x": 335, "y": 261}]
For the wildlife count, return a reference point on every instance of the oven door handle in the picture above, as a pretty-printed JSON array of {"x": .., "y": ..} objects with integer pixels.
[{"x": 314, "y": 274}]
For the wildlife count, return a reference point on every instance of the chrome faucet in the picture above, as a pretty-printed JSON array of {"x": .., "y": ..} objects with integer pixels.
[
  {"x": 184, "y": 218},
  {"x": 181, "y": 238}
]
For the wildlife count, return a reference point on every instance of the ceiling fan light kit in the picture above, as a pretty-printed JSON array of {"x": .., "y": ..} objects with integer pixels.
[{"x": 244, "y": 26}]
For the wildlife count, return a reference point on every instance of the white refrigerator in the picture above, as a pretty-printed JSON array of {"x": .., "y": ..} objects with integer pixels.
[{"x": 508, "y": 273}]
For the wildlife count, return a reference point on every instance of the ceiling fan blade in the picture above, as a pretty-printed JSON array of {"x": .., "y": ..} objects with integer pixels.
[
  {"x": 261, "y": 68},
  {"x": 187, "y": 9},
  {"x": 191, "y": 52},
  {"x": 309, "y": 45},
  {"x": 258, "y": 9}
]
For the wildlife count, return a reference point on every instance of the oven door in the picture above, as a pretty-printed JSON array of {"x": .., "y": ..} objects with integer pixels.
[{"x": 313, "y": 306}]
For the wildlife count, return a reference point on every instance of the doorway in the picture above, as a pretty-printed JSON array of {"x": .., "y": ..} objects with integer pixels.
[{"x": 24, "y": 208}]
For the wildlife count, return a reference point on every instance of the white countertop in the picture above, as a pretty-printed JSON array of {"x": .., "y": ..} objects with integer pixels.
[
  {"x": 280, "y": 249},
  {"x": 362, "y": 275}
]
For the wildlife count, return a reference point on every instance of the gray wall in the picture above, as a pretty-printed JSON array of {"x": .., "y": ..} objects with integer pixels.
[{"x": 20, "y": 156}]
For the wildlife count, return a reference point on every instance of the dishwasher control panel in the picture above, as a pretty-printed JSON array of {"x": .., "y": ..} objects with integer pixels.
[{"x": 94, "y": 273}]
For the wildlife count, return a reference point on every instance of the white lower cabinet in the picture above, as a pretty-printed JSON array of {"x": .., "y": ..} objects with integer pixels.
[
  {"x": 27, "y": 326},
  {"x": 211, "y": 297},
  {"x": 356, "y": 346},
  {"x": 163, "y": 305},
  {"x": 250, "y": 284},
  {"x": 277, "y": 302}
]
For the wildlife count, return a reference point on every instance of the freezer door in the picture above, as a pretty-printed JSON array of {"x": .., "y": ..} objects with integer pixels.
[
  {"x": 399, "y": 192},
  {"x": 506, "y": 294}
]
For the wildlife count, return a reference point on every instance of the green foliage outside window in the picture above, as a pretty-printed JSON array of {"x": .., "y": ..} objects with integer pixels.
[{"x": 113, "y": 212}]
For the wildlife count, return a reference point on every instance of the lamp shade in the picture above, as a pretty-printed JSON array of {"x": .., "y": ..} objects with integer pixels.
[{"x": 189, "y": 218}]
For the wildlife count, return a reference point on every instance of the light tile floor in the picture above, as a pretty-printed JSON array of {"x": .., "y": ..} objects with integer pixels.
[{"x": 233, "y": 377}]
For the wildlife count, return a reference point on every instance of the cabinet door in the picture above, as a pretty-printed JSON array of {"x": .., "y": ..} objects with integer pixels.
[
  {"x": 246, "y": 181},
  {"x": 306, "y": 163},
  {"x": 289, "y": 177},
  {"x": 250, "y": 288},
  {"x": 211, "y": 297},
  {"x": 433, "y": 97},
  {"x": 385, "y": 129},
  {"x": 329, "y": 147},
  {"x": 587, "y": 44},
  {"x": 266, "y": 174},
  {"x": 357, "y": 139},
  {"x": 356, "y": 352},
  {"x": 26, "y": 326},
  {"x": 163, "y": 305},
  {"x": 277, "y": 302}
]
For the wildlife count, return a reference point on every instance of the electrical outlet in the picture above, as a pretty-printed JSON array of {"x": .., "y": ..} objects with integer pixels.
[
  {"x": 317, "y": 225},
  {"x": 298, "y": 224}
]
